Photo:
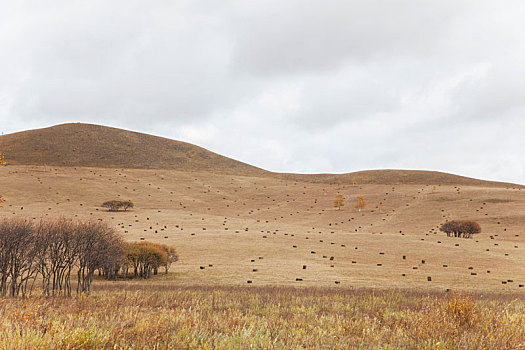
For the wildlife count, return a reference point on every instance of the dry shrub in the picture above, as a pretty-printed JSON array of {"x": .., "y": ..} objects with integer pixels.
[{"x": 459, "y": 311}]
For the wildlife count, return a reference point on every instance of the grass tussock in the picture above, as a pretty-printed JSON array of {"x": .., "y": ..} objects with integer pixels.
[{"x": 266, "y": 318}]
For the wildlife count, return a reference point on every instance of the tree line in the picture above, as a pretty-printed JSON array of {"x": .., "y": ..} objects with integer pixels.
[{"x": 52, "y": 252}]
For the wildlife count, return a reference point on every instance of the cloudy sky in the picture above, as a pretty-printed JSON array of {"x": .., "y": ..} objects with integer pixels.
[{"x": 287, "y": 85}]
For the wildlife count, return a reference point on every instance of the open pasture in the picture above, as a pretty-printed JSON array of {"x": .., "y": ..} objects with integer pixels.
[{"x": 268, "y": 230}]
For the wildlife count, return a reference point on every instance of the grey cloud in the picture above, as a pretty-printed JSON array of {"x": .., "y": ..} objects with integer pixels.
[{"x": 290, "y": 85}]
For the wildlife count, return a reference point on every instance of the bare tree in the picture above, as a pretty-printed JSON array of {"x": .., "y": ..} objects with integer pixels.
[
  {"x": 18, "y": 248},
  {"x": 99, "y": 247},
  {"x": 59, "y": 256}
]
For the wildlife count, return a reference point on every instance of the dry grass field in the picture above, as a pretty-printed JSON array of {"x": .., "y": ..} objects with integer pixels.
[
  {"x": 251, "y": 238},
  {"x": 133, "y": 317}
]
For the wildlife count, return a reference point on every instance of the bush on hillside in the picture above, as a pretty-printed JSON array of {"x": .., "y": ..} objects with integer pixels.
[
  {"x": 461, "y": 228},
  {"x": 116, "y": 205}
]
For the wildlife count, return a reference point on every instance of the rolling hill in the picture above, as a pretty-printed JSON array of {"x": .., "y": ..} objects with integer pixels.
[
  {"x": 89, "y": 145},
  {"x": 232, "y": 223}
]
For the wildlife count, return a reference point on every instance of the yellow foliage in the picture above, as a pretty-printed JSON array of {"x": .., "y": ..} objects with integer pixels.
[
  {"x": 339, "y": 201},
  {"x": 360, "y": 202}
]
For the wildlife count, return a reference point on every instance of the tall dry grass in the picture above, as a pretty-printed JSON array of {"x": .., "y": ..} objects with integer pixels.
[{"x": 261, "y": 318}]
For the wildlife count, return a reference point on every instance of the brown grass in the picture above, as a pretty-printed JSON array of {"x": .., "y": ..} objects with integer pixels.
[
  {"x": 221, "y": 220},
  {"x": 89, "y": 145},
  {"x": 79, "y": 144},
  {"x": 262, "y": 318}
]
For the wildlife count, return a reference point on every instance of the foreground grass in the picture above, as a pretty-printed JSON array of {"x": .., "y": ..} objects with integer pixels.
[{"x": 262, "y": 318}]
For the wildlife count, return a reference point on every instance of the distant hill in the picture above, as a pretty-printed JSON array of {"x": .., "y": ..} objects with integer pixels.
[
  {"x": 394, "y": 176},
  {"x": 88, "y": 145}
]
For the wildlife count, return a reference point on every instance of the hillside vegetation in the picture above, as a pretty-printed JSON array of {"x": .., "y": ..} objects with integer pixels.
[{"x": 261, "y": 318}]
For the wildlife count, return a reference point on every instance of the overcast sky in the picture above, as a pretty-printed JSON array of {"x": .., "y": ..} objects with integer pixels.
[{"x": 286, "y": 85}]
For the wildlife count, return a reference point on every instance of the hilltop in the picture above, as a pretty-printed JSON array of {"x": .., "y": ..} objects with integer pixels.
[{"x": 88, "y": 145}]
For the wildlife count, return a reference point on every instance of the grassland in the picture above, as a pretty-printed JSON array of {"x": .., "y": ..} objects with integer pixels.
[
  {"x": 229, "y": 230},
  {"x": 137, "y": 317},
  {"x": 266, "y": 261}
]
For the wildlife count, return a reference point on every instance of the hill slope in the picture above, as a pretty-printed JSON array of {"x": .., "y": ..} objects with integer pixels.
[
  {"x": 88, "y": 145},
  {"x": 395, "y": 176},
  {"x": 78, "y": 144}
]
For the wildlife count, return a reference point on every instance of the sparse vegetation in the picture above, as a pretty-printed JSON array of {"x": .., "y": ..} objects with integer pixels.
[
  {"x": 461, "y": 228},
  {"x": 261, "y": 318},
  {"x": 360, "y": 202},
  {"x": 116, "y": 205},
  {"x": 339, "y": 201}
]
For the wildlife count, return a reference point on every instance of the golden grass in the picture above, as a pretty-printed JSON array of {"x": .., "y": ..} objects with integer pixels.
[
  {"x": 222, "y": 220},
  {"x": 262, "y": 318}
]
